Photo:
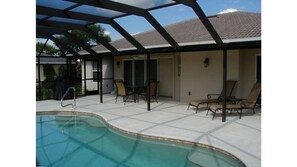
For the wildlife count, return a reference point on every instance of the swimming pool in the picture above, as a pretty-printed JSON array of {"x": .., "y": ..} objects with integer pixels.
[{"x": 77, "y": 141}]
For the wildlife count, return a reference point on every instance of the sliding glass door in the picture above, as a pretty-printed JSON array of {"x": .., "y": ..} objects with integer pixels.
[
  {"x": 128, "y": 73},
  {"x": 135, "y": 72},
  {"x": 154, "y": 70},
  {"x": 139, "y": 75}
]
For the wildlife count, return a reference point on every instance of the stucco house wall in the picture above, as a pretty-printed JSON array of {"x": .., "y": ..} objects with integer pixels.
[
  {"x": 191, "y": 80},
  {"x": 200, "y": 80},
  {"x": 247, "y": 70},
  {"x": 197, "y": 81}
]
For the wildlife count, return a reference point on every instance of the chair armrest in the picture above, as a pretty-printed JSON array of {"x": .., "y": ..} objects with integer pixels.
[
  {"x": 244, "y": 103},
  {"x": 234, "y": 100},
  {"x": 129, "y": 90}
]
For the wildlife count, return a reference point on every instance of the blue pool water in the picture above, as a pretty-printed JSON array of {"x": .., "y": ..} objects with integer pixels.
[{"x": 84, "y": 141}]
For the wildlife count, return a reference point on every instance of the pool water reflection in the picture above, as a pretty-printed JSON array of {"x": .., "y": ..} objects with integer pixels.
[{"x": 76, "y": 141}]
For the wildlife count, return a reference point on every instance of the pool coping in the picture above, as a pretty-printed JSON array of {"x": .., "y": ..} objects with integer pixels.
[{"x": 145, "y": 136}]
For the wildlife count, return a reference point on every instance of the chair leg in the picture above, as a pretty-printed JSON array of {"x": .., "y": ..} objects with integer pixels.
[
  {"x": 214, "y": 114},
  {"x": 125, "y": 98},
  {"x": 137, "y": 97},
  {"x": 240, "y": 114},
  {"x": 207, "y": 108},
  {"x": 116, "y": 99},
  {"x": 188, "y": 106},
  {"x": 197, "y": 108},
  {"x": 143, "y": 97}
]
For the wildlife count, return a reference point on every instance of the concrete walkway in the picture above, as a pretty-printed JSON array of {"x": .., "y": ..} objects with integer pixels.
[{"x": 240, "y": 137}]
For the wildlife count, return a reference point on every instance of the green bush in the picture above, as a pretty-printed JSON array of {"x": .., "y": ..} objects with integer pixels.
[
  {"x": 44, "y": 94},
  {"x": 47, "y": 94}
]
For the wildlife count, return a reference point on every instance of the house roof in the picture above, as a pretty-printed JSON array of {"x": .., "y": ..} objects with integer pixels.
[
  {"x": 235, "y": 26},
  {"x": 49, "y": 59}
]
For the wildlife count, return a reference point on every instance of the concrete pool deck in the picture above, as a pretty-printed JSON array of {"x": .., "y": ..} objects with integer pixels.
[{"x": 171, "y": 119}]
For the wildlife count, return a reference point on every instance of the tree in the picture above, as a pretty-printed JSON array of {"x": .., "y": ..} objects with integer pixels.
[
  {"x": 48, "y": 49},
  {"x": 84, "y": 37}
]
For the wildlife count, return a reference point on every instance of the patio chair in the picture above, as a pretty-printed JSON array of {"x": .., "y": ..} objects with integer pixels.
[
  {"x": 248, "y": 103},
  {"x": 210, "y": 97},
  {"x": 153, "y": 91},
  {"x": 121, "y": 90}
]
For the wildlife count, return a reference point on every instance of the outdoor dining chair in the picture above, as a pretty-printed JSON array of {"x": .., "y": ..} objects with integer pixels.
[
  {"x": 153, "y": 91},
  {"x": 121, "y": 90}
]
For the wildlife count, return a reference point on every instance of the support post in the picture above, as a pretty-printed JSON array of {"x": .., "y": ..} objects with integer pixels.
[
  {"x": 97, "y": 70},
  {"x": 148, "y": 68},
  {"x": 39, "y": 81},
  {"x": 85, "y": 75},
  {"x": 71, "y": 82},
  {"x": 67, "y": 67},
  {"x": 100, "y": 79},
  {"x": 224, "y": 84}
]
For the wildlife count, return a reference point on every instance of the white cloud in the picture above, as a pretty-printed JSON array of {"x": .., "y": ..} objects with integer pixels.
[
  {"x": 135, "y": 33},
  {"x": 138, "y": 3},
  {"x": 106, "y": 12},
  {"x": 228, "y": 11},
  {"x": 106, "y": 33}
]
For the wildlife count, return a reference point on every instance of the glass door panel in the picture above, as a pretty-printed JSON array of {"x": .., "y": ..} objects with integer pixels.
[
  {"x": 128, "y": 75},
  {"x": 139, "y": 73},
  {"x": 153, "y": 70},
  {"x": 135, "y": 72}
]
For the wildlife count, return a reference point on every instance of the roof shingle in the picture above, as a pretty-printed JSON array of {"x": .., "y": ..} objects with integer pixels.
[{"x": 236, "y": 25}]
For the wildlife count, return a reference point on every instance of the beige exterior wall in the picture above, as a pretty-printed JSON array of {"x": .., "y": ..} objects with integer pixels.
[
  {"x": 169, "y": 85},
  {"x": 247, "y": 70},
  {"x": 196, "y": 80},
  {"x": 118, "y": 69},
  {"x": 199, "y": 80},
  {"x": 185, "y": 72},
  {"x": 107, "y": 69}
]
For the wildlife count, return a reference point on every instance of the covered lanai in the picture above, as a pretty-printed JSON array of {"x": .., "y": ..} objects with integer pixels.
[{"x": 59, "y": 17}]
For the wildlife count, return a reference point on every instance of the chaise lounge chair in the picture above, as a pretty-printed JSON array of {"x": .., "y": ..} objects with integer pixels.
[
  {"x": 209, "y": 100},
  {"x": 249, "y": 103}
]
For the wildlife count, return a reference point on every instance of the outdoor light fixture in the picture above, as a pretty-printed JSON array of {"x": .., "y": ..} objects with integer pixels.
[
  {"x": 206, "y": 62},
  {"x": 118, "y": 63}
]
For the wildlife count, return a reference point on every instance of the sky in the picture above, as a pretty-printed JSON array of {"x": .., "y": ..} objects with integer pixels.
[{"x": 177, "y": 13}]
